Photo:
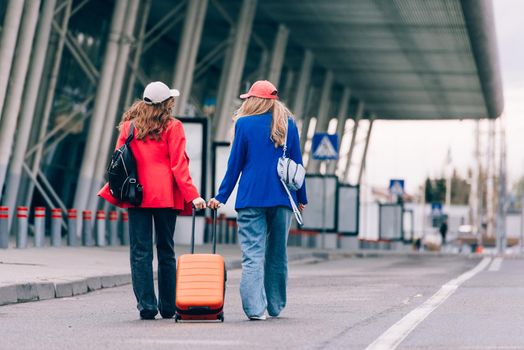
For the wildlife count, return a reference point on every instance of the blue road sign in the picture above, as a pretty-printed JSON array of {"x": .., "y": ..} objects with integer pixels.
[
  {"x": 396, "y": 187},
  {"x": 325, "y": 146},
  {"x": 436, "y": 209}
]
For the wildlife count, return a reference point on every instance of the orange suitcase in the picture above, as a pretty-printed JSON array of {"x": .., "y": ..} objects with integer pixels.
[{"x": 200, "y": 283}]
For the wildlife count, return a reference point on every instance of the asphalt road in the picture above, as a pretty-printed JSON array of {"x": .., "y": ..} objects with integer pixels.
[{"x": 341, "y": 304}]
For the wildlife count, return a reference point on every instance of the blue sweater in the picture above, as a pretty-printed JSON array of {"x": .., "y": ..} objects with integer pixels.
[{"x": 254, "y": 155}]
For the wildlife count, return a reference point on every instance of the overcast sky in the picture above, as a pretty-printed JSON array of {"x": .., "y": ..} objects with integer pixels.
[{"x": 414, "y": 150}]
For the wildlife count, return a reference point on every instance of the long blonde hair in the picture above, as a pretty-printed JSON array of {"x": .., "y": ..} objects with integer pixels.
[
  {"x": 256, "y": 105},
  {"x": 149, "y": 120}
]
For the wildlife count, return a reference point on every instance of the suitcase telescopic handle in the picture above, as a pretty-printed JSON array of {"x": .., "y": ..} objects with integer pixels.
[{"x": 213, "y": 230}]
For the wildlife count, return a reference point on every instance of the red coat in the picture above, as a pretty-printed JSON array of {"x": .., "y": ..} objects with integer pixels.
[{"x": 162, "y": 167}]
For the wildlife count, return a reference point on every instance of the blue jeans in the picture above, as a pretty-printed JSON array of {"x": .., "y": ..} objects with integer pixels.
[{"x": 263, "y": 236}]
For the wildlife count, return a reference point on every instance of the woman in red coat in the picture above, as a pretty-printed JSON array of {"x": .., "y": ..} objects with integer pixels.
[{"x": 159, "y": 148}]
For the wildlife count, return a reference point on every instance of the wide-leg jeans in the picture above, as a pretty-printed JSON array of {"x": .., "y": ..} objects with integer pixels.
[
  {"x": 263, "y": 234},
  {"x": 141, "y": 244}
]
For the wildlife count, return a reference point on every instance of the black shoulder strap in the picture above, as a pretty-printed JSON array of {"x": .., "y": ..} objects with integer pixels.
[{"x": 131, "y": 134}]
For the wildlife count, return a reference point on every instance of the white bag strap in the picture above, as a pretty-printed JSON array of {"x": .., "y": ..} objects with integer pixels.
[
  {"x": 297, "y": 213},
  {"x": 285, "y": 140}
]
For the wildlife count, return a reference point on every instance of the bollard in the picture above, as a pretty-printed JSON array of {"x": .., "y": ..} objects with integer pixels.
[
  {"x": 71, "y": 227},
  {"x": 87, "y": 229},
  {"x": 234, "y": 231},
  {"x": 226, "y": 231},
  {"x": 231, "y": 236},
  {"x": 21, "y": 226},
  {"x": 56, "y": 227},
  {"x": 125, "y": 228},
  {"x": 39, "y": 226},
  {"x": 222, "y": 228},
  {"x": 4, "y": 228},
  {"x": 207, "y": 231},
  {"x": 100, "y": 228},
  {"x": 113, "y": 228}
]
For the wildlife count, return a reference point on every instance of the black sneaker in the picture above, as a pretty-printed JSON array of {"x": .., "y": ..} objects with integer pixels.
[
  {"x": 148, "y": 314},
  {"x": 167, "y": 315}
]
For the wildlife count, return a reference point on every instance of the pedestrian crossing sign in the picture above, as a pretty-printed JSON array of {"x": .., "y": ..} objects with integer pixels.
[
  {"x": 325, "y": 146},
  {"x": 396, "y": 187}
]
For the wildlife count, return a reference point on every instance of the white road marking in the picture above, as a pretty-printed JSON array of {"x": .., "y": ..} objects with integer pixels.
[
  {"x": 392, "y": 338},
  {"x": 495, "y": 265}
]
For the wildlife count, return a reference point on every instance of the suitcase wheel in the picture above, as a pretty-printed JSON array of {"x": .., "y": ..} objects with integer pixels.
[
  {"x": 220, "y": 317},
  {"x": 177, "y": 317}
]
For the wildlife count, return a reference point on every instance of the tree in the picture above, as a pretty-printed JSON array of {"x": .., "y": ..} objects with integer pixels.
[{"x": 435, "y": 190}]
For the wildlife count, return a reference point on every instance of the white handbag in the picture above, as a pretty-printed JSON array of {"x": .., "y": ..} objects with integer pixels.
[{"x": 292, "y": 176}]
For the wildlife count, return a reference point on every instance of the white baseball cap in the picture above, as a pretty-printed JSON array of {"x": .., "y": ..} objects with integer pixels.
[{"x": 158, "y": 92}]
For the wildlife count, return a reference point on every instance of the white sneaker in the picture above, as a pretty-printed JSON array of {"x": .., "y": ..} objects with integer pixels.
[{"x": 258, "y": 318}]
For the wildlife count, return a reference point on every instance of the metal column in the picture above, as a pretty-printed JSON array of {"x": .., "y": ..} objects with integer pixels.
[
  {"x": 16, "y": 86},
  {"x": 138, "y": 53},
  {"x": 29, "y": 103},
  {"x": 226, "y": 67},
  {"x": 278, "y": 54},
  {"x": 187, "y": 52},
  {"x": 490, "y": 181},
  {"x": 502, "y": 192},
  {"x": 49, "y": 98},
  {"x": 365, "y": 154},
  {"x": 342, "y": 116},
  {"x": 474, "y": 195},
  {"x": 358, "y": 116},
  {"x": 261, "y": 72},
  {"x": 299, "y": 104},
  {"x": 85, "y": 179},
  {"x": 234, "y": 67},
  {"x": 323, "y": 114},
  {"x": 306, "y": 120},
  {"x": 290, "y": 75},
  {"x": 13, "y": 15},
  {"x": 114, "y": 101}
]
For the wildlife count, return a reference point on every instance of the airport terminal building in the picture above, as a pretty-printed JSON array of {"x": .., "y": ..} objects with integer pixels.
[{"x": 69, "y": 68}]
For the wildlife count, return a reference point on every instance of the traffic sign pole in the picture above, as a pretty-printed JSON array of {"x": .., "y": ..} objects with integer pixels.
[{"x": 324, "y": 195}]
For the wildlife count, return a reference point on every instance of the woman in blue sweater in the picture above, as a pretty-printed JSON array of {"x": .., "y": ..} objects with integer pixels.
[{"x": 263, "y": 206}]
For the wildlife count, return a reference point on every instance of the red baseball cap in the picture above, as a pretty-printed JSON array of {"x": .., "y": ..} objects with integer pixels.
[{"x": 262, "y": 89}]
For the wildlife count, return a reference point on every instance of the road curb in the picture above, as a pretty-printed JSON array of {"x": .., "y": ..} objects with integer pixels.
[{"x": 28, "y": 292}]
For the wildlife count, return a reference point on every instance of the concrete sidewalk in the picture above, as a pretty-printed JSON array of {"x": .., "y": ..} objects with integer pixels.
[{"x": 45, "y": 273}]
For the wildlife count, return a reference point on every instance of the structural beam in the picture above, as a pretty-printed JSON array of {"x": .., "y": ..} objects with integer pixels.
[
  {"x": 226, "y": 67},
  {"x": 358, "y": 115},
  {"x": 286, "y": 91},
  {"x": 278, "y": 54},
  {"x": 114, "y": 101},
  {"x": 96, "y": 124},
  {"x": 342, "y": 116},
  {"x": 227, "y": 16},
  {"x": 34, "y": 78},
  {"x": 16, "y": 87},
  {"x": 234, "y": 67},
  {"x": 302, "y": 87},
  {"x": 138, "y": 53},
  {"x": 10, "y": 29},
  {"x": 187, "y": 52},
  {"x": 261, "y": 72},
  {"x": 365, "y": 153},
  {"x": 50, "y": 94},
  {"x": 160, "y": 29},
  {"x": 306, "y": 120},
  {"x": 323, "y": 114}
]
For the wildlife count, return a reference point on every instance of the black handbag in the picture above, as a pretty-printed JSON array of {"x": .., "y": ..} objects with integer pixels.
[{"x": 122, "y": 174}]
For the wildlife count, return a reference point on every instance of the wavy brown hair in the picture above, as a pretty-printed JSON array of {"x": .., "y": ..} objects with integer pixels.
[
  {"x": 150, "y": 120},
  {"x": 256, "y": 105}
]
